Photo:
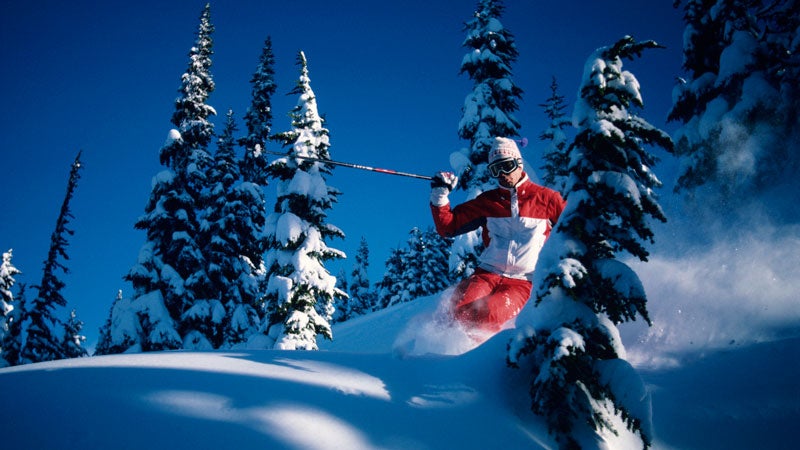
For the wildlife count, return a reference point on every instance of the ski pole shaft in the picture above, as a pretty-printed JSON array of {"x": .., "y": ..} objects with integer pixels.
[{"x": 354, "y": 166}]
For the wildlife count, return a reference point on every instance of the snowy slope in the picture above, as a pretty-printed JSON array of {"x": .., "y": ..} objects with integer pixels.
[
  {"x": 273, "y": 399},
  {"x": 355, "y": 394}
]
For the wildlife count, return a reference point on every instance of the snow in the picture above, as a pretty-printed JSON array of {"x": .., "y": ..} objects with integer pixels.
[
  {"x": 290, "y": 228},
  {"x": 358, "y": 392},
  {"x": 172, "y": 136},
  {"x": 737, "y": 56},
  {"x": 623, "y": 278}
]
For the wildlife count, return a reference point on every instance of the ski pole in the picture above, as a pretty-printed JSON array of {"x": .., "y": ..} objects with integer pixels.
[{"x": 353, "y": 166}]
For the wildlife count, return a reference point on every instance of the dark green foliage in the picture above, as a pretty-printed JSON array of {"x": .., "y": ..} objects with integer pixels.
[
  {"x": 389, "y": 289},
  {"x": 259, "y": 118},
  {"x": 41, "y": 326},
  {"x": 569, "y": 386},
  {"x": 488, "y": 110},
  {"x": 362, "y": 297},
  {"x": 73, "y": 339},
  {"x": 172, "y": 267},
  {"x": 740, "y": 104},
  {"x": 555, "y": 156},
  {"x": 610, "y": 199},
  {"x": 417, "y": 270}
]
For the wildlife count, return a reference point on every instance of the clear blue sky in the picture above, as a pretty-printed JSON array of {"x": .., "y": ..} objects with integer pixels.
[{"x": 102, "y": 77}]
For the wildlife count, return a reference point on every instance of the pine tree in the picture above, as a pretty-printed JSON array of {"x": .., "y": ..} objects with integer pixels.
[
  {"x": 418, "y": 269},
  {"x": 11, "y": 343},
  {"x": 391, "y": 289},
  {"x": 343, "y": 307},
  {"x": 188, "y": 156},
  {"x": 583, "y": 291},
  {"x": 219, "y": 234},
  {"x": 488, "y": 112},
  {"x": 426, "y": 270},
  {"x": 7, "y": 273},
  {"x": 258, "y": 120},
  {"x": 300, "y": 291},
  {"x": 740, "y": 107},
  {"x": 259, "y": 117},
  {"x": 169, "y": 277},
  {"x": 361, "y": 294},
  {"x": 41, "y": 331},
  {"x": 555, "y": 153},
  {"x": 198, "y": 312},
  {"x": 233, "y": 315},
  {"x": 73, "y": 339},
  {"x": 105, "y": 342},
  {"x": 253, "y": 166}
]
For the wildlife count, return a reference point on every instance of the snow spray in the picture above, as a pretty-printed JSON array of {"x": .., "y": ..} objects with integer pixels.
[{"x": 435, "y": 333}]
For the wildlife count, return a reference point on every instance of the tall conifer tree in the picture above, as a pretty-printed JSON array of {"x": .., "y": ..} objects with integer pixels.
[
  {"x": 488, "y": 112},
  {"x": 555, "y": 153},
  {"x": 253, "y": 166},
  {"x": 229, "y": 230},
  {"x": 42, "y": 329},
  {"x": 170, "y": 275},
  {"x": 259, "y": 117},
  {"x": 580, "y": 379},
  {"x": 300, "y": 291}
]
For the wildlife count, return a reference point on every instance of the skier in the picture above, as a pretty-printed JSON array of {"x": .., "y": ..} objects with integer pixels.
[{"x": 516, "y": 219}]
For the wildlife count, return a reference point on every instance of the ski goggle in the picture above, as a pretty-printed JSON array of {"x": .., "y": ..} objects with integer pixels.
[{"x": 503, "y": 166}]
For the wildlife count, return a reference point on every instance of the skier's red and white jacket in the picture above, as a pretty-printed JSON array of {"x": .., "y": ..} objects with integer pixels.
[{"x": 515, "y": 221}]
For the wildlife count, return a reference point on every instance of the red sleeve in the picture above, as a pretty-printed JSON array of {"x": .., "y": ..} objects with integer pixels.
[
  {"x": 464, "y": 218},
  {"x": 558, "y": 207}
]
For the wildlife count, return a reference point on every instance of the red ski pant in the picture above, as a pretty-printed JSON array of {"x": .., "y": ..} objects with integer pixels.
[{"x": 486, "y": 300}]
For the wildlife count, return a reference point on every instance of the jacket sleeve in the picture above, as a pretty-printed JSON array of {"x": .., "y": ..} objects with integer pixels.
[{"x": 464, "y": 218}]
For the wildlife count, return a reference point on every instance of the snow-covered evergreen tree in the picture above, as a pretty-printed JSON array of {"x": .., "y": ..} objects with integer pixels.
[
  {"x": 740, "y": 106},
  {"x": 105, "y": 341},
  {"x": 488, "y": 112},
  {"x": 41, "y": 329},
  {"x": 259, "y": 117},
  {"x": 73, "y": 339},
  {"x": 417, "y": 270},
  {"x": 391, "y": 290},
  {"x": 253, "y": 166},
  {"x": 362, "y": 297},
  {"x": 342, "y": 305},
  {"x": 188, "y": 156},
  {"x": 228, "y": 230},
  {"x": 169, "y": 279},
  {"x": 581, "y": 380},
  {"x": 7, "y": 273},
  {"x": 426, "y": 271},
  {"x": 300, "y": 291},
  {"x": 11, "y": 342},
  {"x": 554, "y": 170}
]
